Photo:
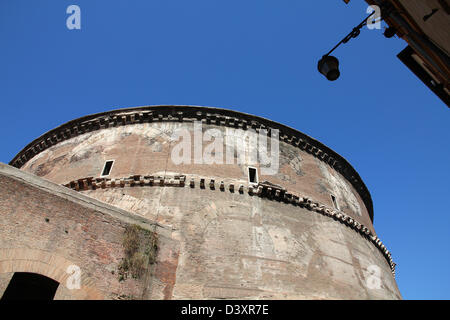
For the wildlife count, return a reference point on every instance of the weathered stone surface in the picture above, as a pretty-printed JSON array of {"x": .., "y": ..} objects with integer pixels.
[
  {"x": 45, "y": 228},
  {"x": 219, "y": 236},
  {"x": 133, "y": 149}
]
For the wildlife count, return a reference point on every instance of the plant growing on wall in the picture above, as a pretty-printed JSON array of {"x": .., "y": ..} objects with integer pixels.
[{"x": 140, "y": 248}]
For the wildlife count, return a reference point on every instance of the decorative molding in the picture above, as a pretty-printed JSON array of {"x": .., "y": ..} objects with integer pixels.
[
  {"x": 208, "y": 115},
  {"x": 263, "y": 190}
]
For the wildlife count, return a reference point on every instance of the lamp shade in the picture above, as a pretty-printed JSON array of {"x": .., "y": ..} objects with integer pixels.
[{"x": 329, "y": 67}]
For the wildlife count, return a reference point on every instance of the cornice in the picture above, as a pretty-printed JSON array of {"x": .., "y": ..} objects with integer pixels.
[
  {"x": 209, "y": 115},
  {"x": 267, "y": 191}
]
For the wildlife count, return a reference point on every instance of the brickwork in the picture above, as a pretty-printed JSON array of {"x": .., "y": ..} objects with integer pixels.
[
  {"x": 304, "y": 233},
  {"x": 45, "y": 228}
]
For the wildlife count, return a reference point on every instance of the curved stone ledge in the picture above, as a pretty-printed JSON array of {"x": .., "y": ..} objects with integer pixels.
[
  {"x": 208, "y": 115},
  {"x": 263, "y": 190}
]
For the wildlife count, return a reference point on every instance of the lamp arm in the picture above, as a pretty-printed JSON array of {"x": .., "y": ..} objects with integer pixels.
[{"x": 353, "y": 34}]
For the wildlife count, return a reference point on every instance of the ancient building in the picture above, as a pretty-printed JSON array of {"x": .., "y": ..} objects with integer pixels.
[{"x": 99, "y": 209}]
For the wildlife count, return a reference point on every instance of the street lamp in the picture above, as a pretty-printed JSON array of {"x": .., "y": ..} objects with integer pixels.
[{"x": 329, "y": 65}]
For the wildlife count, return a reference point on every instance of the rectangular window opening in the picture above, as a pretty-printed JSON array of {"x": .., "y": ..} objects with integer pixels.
[
  {"x": 333, "y": 198},
  {"x": 107, "y": 168},
  {"x": 252, "y": 175}
]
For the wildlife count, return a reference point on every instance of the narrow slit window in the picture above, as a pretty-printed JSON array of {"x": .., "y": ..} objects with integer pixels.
[
  {"x": 107, "y": 168},
  {"x": 252, "y": 175},
  {"x": 333, "y": 198}
]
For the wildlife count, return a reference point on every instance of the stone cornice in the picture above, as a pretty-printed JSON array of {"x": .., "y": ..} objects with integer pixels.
[
  {"x": 263, "y": 190},
  {"x": 216, "y": 116}
]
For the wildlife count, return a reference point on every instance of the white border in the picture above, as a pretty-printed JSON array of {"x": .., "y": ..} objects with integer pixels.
[
  {"x": 256, "y": 175},
  {"x": 101, "y": 173},
  {"x": 334, "y": 202}
]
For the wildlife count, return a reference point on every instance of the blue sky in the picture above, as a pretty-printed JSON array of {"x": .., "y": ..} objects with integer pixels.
[{"x": 254, "y": 56}]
